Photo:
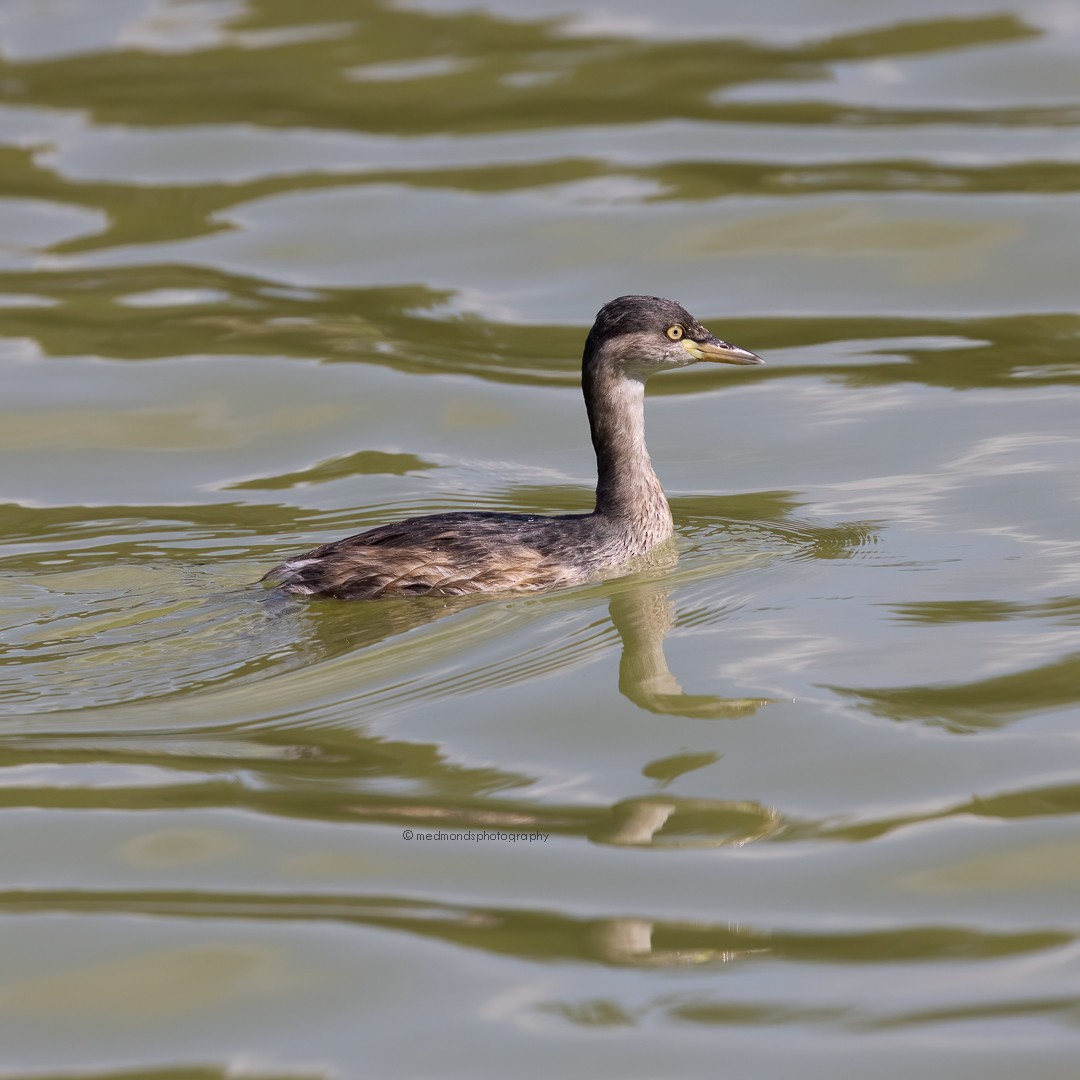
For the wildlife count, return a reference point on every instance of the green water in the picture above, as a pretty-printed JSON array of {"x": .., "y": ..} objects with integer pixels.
[{"x": 803, "y": 802}]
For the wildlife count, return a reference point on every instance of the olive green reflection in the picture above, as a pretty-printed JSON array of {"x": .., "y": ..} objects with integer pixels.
[
  {"x": 362, "y": 463},
  {"x": 381, "y": 67},
  {"x": 980, "y": 703},
  {"x": 539, "y": 934},
  {"x": 1051, "y": 801},
  {"x": 405, "y": 328}
]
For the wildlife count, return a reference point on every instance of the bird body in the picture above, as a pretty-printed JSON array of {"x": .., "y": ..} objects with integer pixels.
[{"x": 456, "y": 554}]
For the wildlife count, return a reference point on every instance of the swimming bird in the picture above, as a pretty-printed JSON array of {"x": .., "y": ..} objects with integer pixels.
[{"x": 456, "y": 554}]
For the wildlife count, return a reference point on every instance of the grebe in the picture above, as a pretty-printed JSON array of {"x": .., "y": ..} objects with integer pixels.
[{"x": 471, "y": 552}]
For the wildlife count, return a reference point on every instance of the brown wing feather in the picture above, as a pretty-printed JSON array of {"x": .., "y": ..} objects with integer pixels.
[
  {"x": 362, "y": 572},
  {"x": 453, "y": 555}
]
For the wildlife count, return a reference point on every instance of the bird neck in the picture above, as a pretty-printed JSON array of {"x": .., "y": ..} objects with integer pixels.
[{"x": 628, "y": 491}]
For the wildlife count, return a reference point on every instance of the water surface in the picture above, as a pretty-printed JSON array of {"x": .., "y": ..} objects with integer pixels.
[{"x": 801, "y": 799}]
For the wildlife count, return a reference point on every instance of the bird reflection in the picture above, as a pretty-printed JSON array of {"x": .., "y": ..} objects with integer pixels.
[
  {"x": 643, "y": 613},
  {"x": 628, "y": 942},
  {"x": 641, "y": 610},
  {"x": 227, "y": 662},
  {"x": 643, "y": 617}
]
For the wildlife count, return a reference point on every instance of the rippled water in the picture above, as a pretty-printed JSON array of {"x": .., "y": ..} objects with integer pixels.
[{"x": 800, "y": 802}]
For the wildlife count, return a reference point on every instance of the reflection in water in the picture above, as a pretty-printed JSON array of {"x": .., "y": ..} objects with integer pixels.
[
  {"x": 686, "y": 823},
  {"x": 236, "y": 637},
  {"x": 643, "y": 617},
  {"x": 617, "y": 941},
  {"x": 642, "y": 612},
  {"x": 649, "y": 821},
  {"x": 401, "y": 328},
  {"x": 294, "y": 80},
  {"x": 978, "y": 704},
  {"x": 628, "y": 941},
  {"x": 122, "y": 635},
  {"x": 128, "y": 648}
]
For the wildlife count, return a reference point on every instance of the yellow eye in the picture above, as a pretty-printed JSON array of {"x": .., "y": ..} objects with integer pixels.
[{"x": 675, "y": 332}]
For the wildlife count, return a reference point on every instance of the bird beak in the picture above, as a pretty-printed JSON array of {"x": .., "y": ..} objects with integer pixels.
[{"x": 719, "y": 352}]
